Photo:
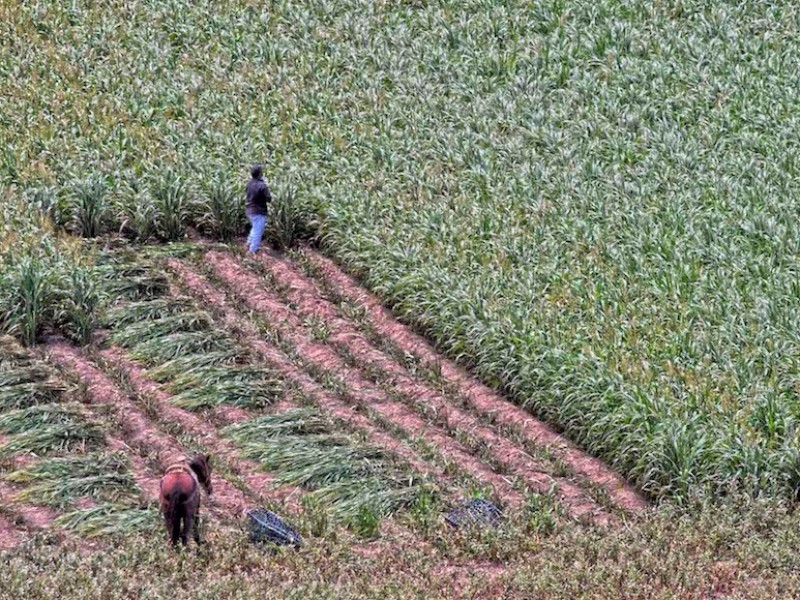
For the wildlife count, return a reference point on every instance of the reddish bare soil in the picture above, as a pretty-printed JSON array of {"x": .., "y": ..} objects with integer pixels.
[
  {"x": 231, "y": 414},
  {"x": 482, "y": 398},
  {"x": 278, "y": 361},
  {"x": 10, "y": 534},
  {"x": 309, "y": 303},
  {"x": 137, "y": 430},
  {"x": 248, "y": 287},
  {"x": 35, "y": 517},
  {"x": 257, "y": 481}
]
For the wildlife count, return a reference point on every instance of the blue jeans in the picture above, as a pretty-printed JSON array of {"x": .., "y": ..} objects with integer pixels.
[{"x": 257, "y": 225}]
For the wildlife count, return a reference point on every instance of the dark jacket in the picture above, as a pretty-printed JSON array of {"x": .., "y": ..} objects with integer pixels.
[{"x": 258, "y": 195}]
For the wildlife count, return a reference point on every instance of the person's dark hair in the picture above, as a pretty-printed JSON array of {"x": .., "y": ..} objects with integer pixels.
[{"x": 256, "y": 171}]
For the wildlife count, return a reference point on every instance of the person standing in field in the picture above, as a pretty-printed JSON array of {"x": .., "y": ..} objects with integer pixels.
[{"x": 258, "y": 196}]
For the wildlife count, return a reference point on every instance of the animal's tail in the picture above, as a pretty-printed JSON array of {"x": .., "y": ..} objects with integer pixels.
[{"x": 174, "y": 515}]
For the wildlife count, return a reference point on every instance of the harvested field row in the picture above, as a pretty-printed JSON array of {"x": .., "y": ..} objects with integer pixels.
[
  {"x": 325, "y": 462},
  {"x": 58, "y": 463},
  {"x": 338, "y": 409},
  {"x": 310, "y": 304},
  {"x": 322, "y": 356},
  {"x": 317, "y": 352},
  {"x": 146, "y": 480},
  {"x": 308, "y": 388},
  {"x": 228, "y": 502},
  {"x": 260, "y": 484},
  {"x": 402, "y": 418},
  {"x": 482, "y": 398}
]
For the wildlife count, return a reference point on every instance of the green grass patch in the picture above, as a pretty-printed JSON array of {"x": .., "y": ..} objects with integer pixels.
[
  {"x": 48, "y": 428},
  {"x": 666, "y": 555},
  {"x": 162, "y": 349}
]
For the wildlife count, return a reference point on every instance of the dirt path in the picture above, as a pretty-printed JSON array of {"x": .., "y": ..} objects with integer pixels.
[
  {"x": 482, "y": 398},
  {"x": 35, "y": 517},
  {"x": 231, "y": 414},
  {"x": 10, "y": 534},
  {"x": 278, "y": 361},
  {"x": 145, "y": 479},
  {"x": 309, "y": 303},
  {"x": 321, "y": 356},
  {"x": 228, "y": 502}
]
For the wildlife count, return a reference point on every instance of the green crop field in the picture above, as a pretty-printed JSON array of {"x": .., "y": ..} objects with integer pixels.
[{"x": 591, "y": 205}]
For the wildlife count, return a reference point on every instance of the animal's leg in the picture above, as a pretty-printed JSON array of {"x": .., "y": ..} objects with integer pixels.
[
  {"x": 172, "y": 515},
  {"x": 168, "y": 523},
  {"x": 196, "y": 527},
  {"x": 188, "y": 523},
  {"x": 176, "y": 526}
]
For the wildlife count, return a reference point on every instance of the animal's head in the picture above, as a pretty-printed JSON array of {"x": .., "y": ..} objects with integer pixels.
[{"x": 201, "y": 465}]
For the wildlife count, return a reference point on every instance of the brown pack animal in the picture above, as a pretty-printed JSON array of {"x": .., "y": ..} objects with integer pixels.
[{"x": 180, "y": 497}]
